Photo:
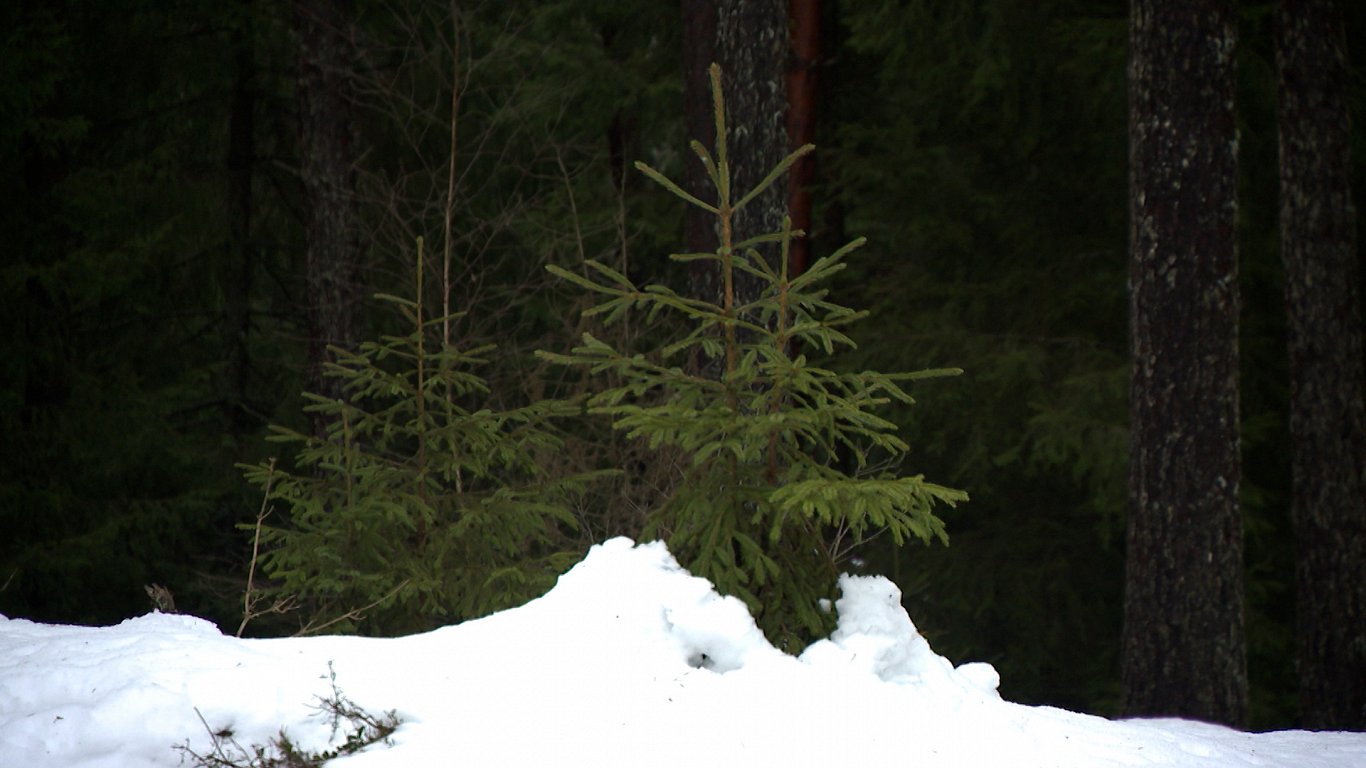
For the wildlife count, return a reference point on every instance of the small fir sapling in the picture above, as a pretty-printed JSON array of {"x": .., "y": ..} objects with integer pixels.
[
  {"x": 787, "y": 466},
  {"x": 419, "y": 506}
]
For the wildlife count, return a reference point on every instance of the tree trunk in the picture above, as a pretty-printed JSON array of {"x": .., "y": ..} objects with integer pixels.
[
  {"x": 802, "y": 91},
  {"x": 699, "y": 51},
  {"x": 1327, "y": 422},
  {"x": 238, "y": 266},
  {"x": 327, "y": 147},
  {"x": 1183, "y": 645},
  {"x": 749, "y": 39}
]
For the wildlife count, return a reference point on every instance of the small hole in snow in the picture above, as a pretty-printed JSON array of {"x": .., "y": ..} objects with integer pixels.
[{"x": 699, "y": 661}]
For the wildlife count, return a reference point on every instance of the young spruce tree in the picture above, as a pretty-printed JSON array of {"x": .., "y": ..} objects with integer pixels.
[
  {"x": 787, "y": 467},
  {"x": 417, "y": 507}
]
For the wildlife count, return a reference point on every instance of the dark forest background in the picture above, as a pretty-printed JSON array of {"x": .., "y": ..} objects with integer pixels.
[{"x": 153, "y": 294}]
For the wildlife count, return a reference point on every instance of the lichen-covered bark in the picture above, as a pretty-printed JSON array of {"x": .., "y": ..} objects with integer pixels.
[
  {"x": 1183, "y": 647},
  {"x": 1327, "y": 423},
  {"x": 750, "y": 42},
  {"x": 327, "y": 152}
]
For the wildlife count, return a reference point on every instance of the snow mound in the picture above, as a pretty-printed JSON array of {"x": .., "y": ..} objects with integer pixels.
[
  {"x": 710, "y": 631},
  {"x": 644, "y": 585},
  {"x": 875, "y": 636},
  {"x": 628, "y": 661}
]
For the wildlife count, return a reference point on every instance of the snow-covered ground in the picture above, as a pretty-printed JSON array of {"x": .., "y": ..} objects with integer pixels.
[{"x": 628, "y": 661}]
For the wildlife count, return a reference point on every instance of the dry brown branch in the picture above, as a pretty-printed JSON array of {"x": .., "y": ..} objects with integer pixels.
[
  {"x": 355, "y": 614},
  {"x": 251, "y": 597}
]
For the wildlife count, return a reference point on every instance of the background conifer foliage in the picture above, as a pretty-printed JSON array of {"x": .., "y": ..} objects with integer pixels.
[{"x": 169, "y": 169}]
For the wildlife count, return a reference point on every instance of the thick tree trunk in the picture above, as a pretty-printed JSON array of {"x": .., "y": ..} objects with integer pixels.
[
  {"x": 752, "y": 45},
  {"x": 750, "y": 41},
  {"x": 327, "y": 147},
  {"x": 239, "y": 263},
  {"x": 1183, "y": 650},
  {"x": 1327, "y": 421}
]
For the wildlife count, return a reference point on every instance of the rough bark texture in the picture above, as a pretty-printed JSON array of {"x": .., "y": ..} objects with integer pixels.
[
  {"x": 750, "y": 42},
  {"x": 1327, "y": 422},
  {"x": 327, "y": 147},
  {"x": 1183, "y": 649}
]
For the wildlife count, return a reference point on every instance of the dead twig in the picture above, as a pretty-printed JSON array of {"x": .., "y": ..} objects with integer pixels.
[
  {"x": 252, "y": 597},
  {"x": 355, "y": 614}
]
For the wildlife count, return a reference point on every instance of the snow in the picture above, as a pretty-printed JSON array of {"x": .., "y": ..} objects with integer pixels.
[{"x": 628, "y": 661}]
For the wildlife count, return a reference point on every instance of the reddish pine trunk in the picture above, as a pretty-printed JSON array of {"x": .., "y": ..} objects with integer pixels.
[{"x": 802, "y": 90}]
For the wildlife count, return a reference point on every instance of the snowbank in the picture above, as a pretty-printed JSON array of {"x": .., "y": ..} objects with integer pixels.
[{"x": 628, "y": 661}]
